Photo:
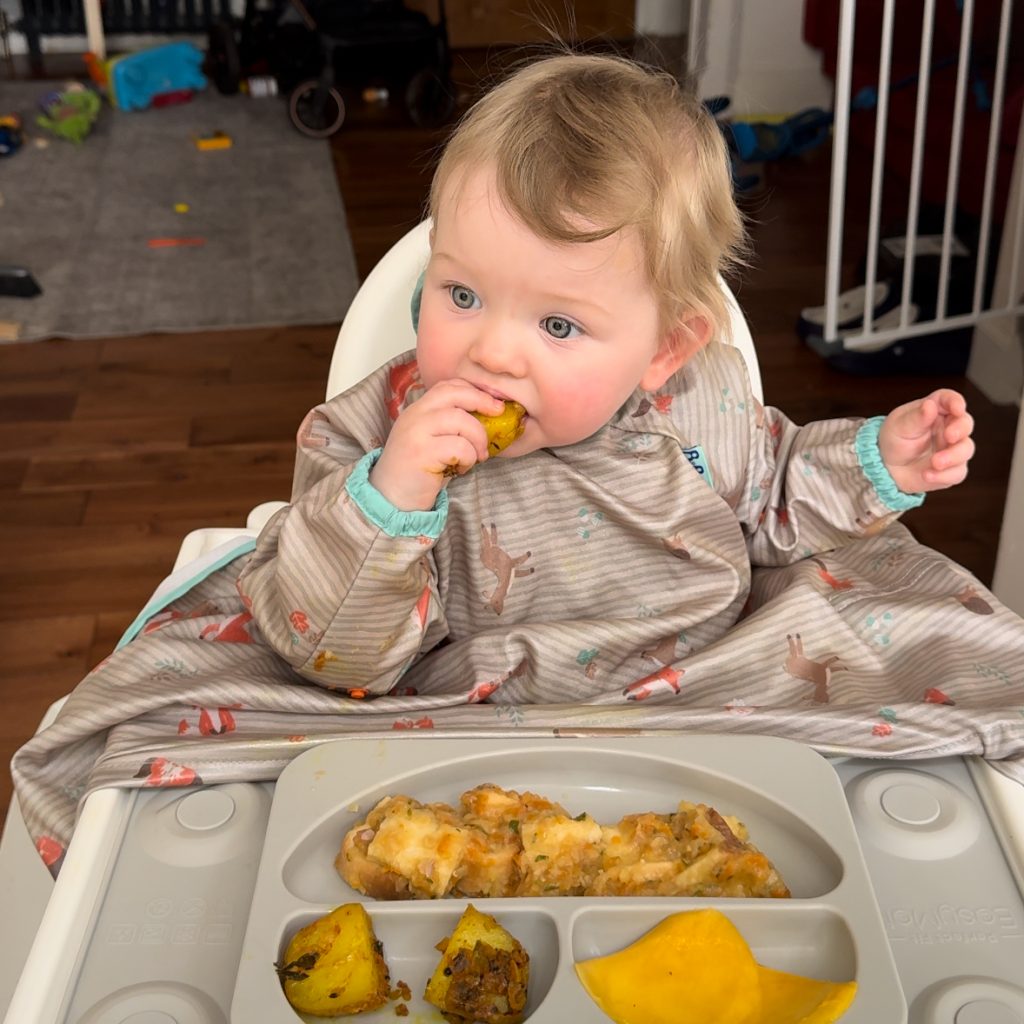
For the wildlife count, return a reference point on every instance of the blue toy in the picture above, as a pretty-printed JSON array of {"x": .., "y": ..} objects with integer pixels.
[
  {"x": 136, "y": 78},
  {"x": 11, "y": 136}
]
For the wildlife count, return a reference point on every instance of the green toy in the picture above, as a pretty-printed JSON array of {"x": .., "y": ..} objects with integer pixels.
[{"x": 71, "y": 114}]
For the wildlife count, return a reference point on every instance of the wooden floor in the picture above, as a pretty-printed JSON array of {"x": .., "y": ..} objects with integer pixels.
[{"x": 112, "y": 450}]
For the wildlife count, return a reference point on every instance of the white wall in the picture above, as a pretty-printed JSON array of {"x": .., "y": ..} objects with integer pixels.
[
  {"x": 753, "y": 51},
  {"x": 662, "y": 17}
]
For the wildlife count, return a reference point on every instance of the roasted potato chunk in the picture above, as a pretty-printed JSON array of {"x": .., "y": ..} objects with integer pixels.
[
  {"x": 482, "y": 975},
  {"x": 335, "y": 965},
  {"x": 504, "y": 428}
]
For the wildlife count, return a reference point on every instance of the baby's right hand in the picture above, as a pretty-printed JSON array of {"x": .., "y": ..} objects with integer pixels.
[{"x": 433, "y": 439}]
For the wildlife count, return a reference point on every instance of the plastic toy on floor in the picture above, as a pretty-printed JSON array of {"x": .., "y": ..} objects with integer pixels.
[
  {"x": 11, "y": 136},
  {"x": 770, "y": 140},
  {"x": 135, "y": 80},
  {"x": 70, "y": 114},
  {"x": 755, "y": 142}
]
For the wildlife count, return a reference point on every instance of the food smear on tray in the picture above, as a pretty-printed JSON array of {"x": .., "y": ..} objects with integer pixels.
[
  {"x": 335, "y": 965},
  {"x": 694, "y": 967},
  {"x": 483, "y": 974},
  {"x": 501, "y": 843}
]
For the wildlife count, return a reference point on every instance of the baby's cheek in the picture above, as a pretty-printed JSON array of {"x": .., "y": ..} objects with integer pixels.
[
  {"x": 431, "y": 356},
  {"x": 573, "y": 413}
]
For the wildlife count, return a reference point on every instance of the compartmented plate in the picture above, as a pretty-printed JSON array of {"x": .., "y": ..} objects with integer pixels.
[{"x": 787, "y": 795}]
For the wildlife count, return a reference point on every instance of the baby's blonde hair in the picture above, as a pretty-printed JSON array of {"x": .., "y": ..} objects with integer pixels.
[{"x": 605, "y": 141}]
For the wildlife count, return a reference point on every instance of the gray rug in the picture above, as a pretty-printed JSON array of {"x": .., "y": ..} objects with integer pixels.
[{"x": 275, "y": 245}]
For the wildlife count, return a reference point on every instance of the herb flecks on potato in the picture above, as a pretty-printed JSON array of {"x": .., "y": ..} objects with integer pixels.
[
  {"x": 483, "y": 974},
  {"x": 504, "y": 428},
  {"x": 335, "y": 965}
]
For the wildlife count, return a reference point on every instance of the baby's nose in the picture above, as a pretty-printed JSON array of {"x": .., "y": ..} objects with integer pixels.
[{"x": 498, "y": 350}]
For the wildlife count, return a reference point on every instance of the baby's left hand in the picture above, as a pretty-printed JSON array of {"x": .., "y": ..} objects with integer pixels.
[{"x": 926, "y": 444}]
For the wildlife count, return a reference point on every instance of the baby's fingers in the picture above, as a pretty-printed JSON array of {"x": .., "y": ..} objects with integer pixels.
[
  {"x": 954, "y": 456},
  {"x": 950, "y": 402},
  {"x": 936, "y": 479},
  {"x": 456, "y": 455},
  {"x": 915, "y": 419},
  {"x": 958, "y": 429},
  {"x": 455, "y": 423}
]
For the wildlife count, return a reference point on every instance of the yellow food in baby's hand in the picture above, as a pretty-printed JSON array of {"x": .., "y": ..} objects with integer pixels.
[
  {"x": 504, "y": 428},
  {"x": 695, "y": 967},
  {"x": 483, "y": 974},
  {"x": 335, "y": 965}
]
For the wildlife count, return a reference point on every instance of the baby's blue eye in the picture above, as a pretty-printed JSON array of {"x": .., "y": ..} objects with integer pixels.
[
  {"x": 463, "y": 297},
  {"x": 560, "y": 328}
]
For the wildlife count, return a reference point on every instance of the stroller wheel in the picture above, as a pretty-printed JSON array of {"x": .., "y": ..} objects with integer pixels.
[
  {"x": 316, "y": 112},
  {"x": 429, "y": 98}
]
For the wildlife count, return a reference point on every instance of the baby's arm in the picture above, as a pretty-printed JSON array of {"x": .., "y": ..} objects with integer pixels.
[
  {"x": 926, "y": 444},
  {"x": 819, "y": 485},
  {"x": 341, "y": 584}
]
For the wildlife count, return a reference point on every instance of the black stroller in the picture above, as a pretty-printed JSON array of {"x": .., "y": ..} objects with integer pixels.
[{"x": 314, "y": 48}]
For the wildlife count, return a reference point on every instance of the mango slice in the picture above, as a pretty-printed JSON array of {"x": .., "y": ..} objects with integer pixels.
[
  {"x": 791, "y": 999},
  {"x": 694, "y": 967},
  {"x": 691, "y": 968},
  {"x": 504, "y": 428}
]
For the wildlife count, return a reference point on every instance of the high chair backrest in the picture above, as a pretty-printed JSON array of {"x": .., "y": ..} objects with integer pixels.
[{"x": 378, "y": 324}]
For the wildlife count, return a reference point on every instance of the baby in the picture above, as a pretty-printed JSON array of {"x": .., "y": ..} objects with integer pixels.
[{"x": 582, "y": 216}]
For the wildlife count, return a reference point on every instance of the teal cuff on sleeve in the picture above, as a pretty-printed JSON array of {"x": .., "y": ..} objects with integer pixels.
[
  {"x": 870, "y": 459},
  {"x": 393, "y": 521}
]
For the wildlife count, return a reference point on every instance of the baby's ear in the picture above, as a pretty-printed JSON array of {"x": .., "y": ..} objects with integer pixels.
[{"x": 678, "y": 346}]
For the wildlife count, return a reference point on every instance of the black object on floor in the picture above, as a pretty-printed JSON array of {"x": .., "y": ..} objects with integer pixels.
[
  {"x": 18, "y": 281},
  {"x": 940, "y": 352},
  {"x": 924, "y": 355}
]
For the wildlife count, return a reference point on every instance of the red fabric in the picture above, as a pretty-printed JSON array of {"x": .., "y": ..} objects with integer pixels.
[{"x": 821, "y": 30}]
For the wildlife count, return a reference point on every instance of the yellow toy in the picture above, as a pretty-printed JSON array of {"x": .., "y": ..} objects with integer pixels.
[{"x": 218, "y": 140}]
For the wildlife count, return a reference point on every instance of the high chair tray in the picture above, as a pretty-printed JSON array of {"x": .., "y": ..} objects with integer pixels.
[
  {"x": 174, "y": 905},
  {"x": 788, "y": 797}
]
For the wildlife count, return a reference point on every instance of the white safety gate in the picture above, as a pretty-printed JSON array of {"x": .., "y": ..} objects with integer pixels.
[{"x": 1005, "y": 301}]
